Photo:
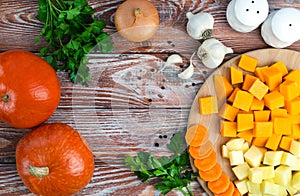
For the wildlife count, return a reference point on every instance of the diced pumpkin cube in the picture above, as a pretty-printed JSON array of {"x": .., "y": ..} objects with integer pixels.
[
  {"x": 288, "y": 159},
  {"x": 257, "y": 104},
  {"x": 232, "y": 95},
  {"x": 236, "y": 76},
  {"x": 281, "y": 67},
  {"x": 241, "y": 171},
  {"x": 293, "y": 107},
  {"x": 295, "y": 131},
  {"x": 241, "y": 185},
  {"x": 248, "y": 63},
  {"x": 296, "y": 180},
  {"x": 246, "y": 135},
  {"x": 222, "y": 86},
  {"x": 285, "y": 143},
  {"x": 248, "y": 81},
  {"x": 262, "y": 116},
  {"x": 208, "y": 105},
  {"x": 293, "y": 75},
  {"x": 254, "y": 156},
  {"x": 236, "y": 157},
  {"x": 255, "y": 175},
  {"x": 274, "y": 100},
  {"x": 263, "y": 129},
  {"x": 273, "y": 77},
  {"x": 243, "y": 100},
  {"x": 260, "y": 141},
  {"x": 272, "y": 158},
  {"x": 259, "y": 73},
  {"x": 278, "y": 112},
  {"x": 273, "y": 141},
  {"x": 290, "y": 90},
  {"x": 258, "y": 89},
  {"x": 244, "y": 122},
  {"x": 283, "y": 175},
  {"x": 295, "y": 148},
  {"x": 228, "y": 112},
  {"x": 294, "y": 119},
  {"x": 282, "y": 126},
  {"x": 228, "y": 128}
]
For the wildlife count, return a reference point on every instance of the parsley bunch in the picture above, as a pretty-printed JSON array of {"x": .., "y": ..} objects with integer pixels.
[
  {"x": 71, "y": 33},
  {"x": 173, "y": 171}
]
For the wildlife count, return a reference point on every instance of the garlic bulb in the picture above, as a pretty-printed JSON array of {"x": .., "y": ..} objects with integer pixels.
[
  {"x": 200, "y": 26},
  {"x": 212, "y": 52},
  {"x": 174, "y": 58},
  {"x": 188, "y": 72}
]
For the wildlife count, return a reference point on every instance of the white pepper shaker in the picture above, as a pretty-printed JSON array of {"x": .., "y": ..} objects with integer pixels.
[
  {"x": 246, "y": 15},
  {"x": 282, "y": 28}
]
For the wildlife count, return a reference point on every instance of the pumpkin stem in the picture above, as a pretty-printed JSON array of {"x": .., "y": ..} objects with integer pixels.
[
  {"x": 137, "y": 12},
  {"x": 5, "y": 98},
  {"x": 39, "y": 172}
]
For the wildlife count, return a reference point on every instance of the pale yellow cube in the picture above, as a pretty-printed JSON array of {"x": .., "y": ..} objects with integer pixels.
[
  {"x": 225, "y": 152},
  {"x": 296, "y": 180},
  {"x": 236, "y": 157},
  {"x": 272, "y": 158},
  {"x": 270, "y": 188},
  {"x": 291, "y": 190},
  {"x": 253, "y": 188},
  {"x": 241, "y": 171},
  {"x": 245, "y": 147},
  {"x": 254, "y": 156},
  {"x": 255, "y": 175},
  {"x": 288, "y": 159},
  {"x": 282, "y": 191},
  {"x": 283, "y": 175},
  {"x": 235, "y": 144},
  {"x": 268, "y": 172},
  {"x": 295, "y": 148},
  {"x": 241, "y": 185},
  {"x": 255, "y": 194},
  {"x": 296, "y": 167}
]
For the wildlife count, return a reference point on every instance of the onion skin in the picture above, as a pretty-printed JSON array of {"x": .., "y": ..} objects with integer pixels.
[{"x": 136, "y": 20}]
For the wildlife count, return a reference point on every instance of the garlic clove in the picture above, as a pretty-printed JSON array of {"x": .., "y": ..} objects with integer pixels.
[
  {"x": 172, "y": 59},
  {"x": 212, "y": 52},
  {"x": 200, "y": 26},
  {"x": 188, "y": 72}
]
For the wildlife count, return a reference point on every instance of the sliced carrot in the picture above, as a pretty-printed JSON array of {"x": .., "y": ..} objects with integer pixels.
[
  {"x": 211, "y": 175},
  {"x": 206, "y": 163},
  {"x": 236, "y": 192},
  {"x": 196, "y": 135},
  {"x": 229, "y": 191},
  {"x": 220, "y": 185},
  {"x": 201, "y": 152}
]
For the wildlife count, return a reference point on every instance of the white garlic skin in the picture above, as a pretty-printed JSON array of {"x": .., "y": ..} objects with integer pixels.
[
  {"x": 212, "y": 52},
  {"x": 200, "y": 26}
]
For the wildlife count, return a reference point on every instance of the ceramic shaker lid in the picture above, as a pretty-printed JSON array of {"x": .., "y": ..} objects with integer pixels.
[{"x": 286, "y": 24}]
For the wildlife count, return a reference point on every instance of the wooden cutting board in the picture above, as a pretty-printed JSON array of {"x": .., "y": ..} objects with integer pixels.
[{"x": 265, "y": 57}]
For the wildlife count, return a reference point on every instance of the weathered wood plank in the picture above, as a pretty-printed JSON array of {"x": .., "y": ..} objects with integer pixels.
[{"x": 19, "y": 26}]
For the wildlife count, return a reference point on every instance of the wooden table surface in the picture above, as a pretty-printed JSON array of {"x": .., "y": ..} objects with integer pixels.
[{"x": 129, "y": 104}]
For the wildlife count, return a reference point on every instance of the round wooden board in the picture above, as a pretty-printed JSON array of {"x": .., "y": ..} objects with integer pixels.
[{"x": 265, "y": 57}]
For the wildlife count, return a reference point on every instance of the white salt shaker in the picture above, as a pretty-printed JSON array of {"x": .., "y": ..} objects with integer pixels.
[
  {"x": 282, "y": 28},
  {"x": 246, "y": 15}
]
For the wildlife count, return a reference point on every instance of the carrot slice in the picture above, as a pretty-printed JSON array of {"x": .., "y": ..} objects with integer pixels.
[
  {"x": 229, "y": 191},
  {"x": 236, "y": 192},
  {"x": 220, "y": 185},
  {"x": 201, "y": 152},
  {"x": 196, "y": 135},
  {"x": 206, "y": 163},
  {"x": 211, "y": 175}
]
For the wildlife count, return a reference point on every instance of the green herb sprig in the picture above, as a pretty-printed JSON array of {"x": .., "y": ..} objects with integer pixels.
[
  {"x": 71, "y": 33},
  {"x": 174, "y": 171}
]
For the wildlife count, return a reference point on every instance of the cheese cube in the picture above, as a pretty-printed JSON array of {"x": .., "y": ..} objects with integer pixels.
[
  {"x": 236, "y": 75},
  {"x": 262, "y": 116},
  {"x": 282, "y": 126},
  {"x": 273, "y": 77},
  {"x": 258, "y": 89},
  {"x": 296, "y": 180},
  {"x": 228, "y": 128},
  {"x": 296, "y": 166},
  {"x": 288, "y": 159},
  {"x": 255, "y": 175},
  {"x": 241, "y": 171},
  {"x": 274, "y": 100},
  {"x": 293, "y": 107},
  {"x": 243, "y": 100},
  {"x": 273, "y": 141},
  {"x": 241, "y": 185},
  {"x": 290, "y": 90},
  {"x": 225, "y": 152},
  {"x": 263, "y": 129},
  {"x": 255, "y": 194},
  {"x": 272, "y": 158},
  {"x": 208, "y": 105},
  {"x": 248, "y": 81},
  {"x": 228, "y": 112},
  {"x": 268, "y": 172},
  {"x": 283, "y": 175},
  {"x": 244, "y": 122},
  {"x": 245, "y": 147},
  {"x": 236, "y": 157},
  {"x": 295, "y": 148},
  {"x": 254, "y": 156},
  {"x": 235, "y": 144},
  {"x": 253, "y": 188},
  {"x": 292, "y": 190},
  {"x": 270, "y": 188}
]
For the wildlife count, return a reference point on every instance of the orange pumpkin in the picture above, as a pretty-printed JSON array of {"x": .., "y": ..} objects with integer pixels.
[
  {"x": 29, "y": 89},
  {"x": 54, "y": 160}
]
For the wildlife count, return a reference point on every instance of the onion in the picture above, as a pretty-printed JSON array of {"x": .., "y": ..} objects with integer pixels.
[{"x": 136, "y": 20}]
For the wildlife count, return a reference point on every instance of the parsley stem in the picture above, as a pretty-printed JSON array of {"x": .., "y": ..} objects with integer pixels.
[{"x": 188, "y": 193}]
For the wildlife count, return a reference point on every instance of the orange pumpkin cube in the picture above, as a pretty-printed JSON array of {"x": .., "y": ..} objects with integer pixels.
[
  {"x": 293, "y": 107},
  {"x": 257, "y": 104},
  {"x": 246, "y": 135},
  {"x": 262, "y": 116},
  {"x": 285, "y": 143},
  {"x": 293, "y": 75},
  {"x": 273, "y": 141},
  {"x": 260, "y": 141},
  {"x": 243, "y": 100},
  {"x": 259, "y": 73},
  {"x": 289, "y": 89},
  {"x": 258, "y": 89},
  {"x": 232, "y": 95},
  {"x": 244, "y": 122},
  {"x": 273, "y": 77},
  {"x": 282, "y": 126},
  {"x": 294, "y": 119},
  {"x": 228, "y": 112},
  {"x": 236, "y": 76},
  {"x": 278, "y": 112},
  {"x": 281, "y": 67},
  {"x": 248, "y": 81},
  {"x": 248, "y": 63},
  {"x": 274, "y": 100},
  {"x": 222, "y": 86},
  {"x": 228, "y": 129},
  {"x": 263, "y": 129},
  {"x": 208, "y": 105},
  {"x": 295, "y": 131}
]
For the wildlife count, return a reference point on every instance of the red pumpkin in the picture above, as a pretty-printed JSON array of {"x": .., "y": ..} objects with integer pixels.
[
  {"x": 29, "y": 89},
  {"x": 54, "y": 160}
]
